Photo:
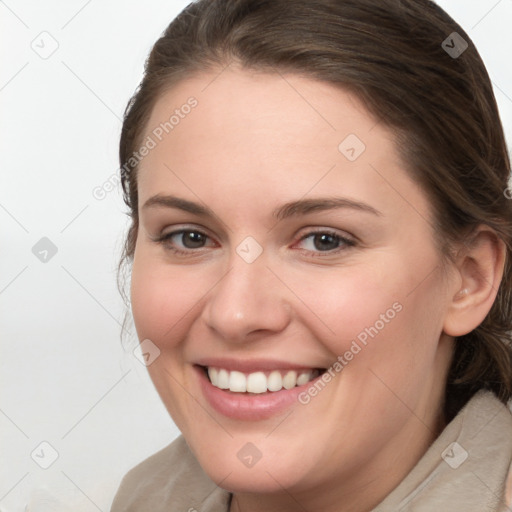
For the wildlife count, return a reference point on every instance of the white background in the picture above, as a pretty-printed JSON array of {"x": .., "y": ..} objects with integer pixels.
[{"x": 65, "y": 377}]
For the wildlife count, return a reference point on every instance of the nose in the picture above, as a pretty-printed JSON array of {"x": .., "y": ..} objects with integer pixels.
[{"x": 249, "y": 300}]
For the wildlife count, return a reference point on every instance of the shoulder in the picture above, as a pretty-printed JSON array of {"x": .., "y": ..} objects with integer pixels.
[
  {"x": 171, "y": 479},
  {"x": 173, "y": 455},
  {"x": 467, "y": 468},
  {"x": 483, "y": 450},
  {"x": 507, "y": 492}
]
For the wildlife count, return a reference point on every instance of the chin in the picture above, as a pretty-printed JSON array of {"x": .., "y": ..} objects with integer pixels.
[
  {"x": 250, "y": 480},
  {"x": 233, "y": 470}
]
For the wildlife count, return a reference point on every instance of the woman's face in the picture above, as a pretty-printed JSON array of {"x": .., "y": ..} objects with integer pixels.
[{"x": 295, "y": 242}]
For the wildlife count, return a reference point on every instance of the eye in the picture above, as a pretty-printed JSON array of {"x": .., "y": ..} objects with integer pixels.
[
  {"x": 325, "y": 241},
  {"x": 188, "y": 241},
  {"x": 184, "y": 241}
]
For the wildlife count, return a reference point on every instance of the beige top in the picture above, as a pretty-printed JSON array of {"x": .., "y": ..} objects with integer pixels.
[{"x": 466, "y": 469}]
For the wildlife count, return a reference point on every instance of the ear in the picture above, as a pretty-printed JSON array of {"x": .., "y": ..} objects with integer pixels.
[{"x": 480, "y": 266}]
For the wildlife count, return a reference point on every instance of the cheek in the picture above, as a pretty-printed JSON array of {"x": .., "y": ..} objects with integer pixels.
[
  {"x": 381, "y": 315},
  {"x": 343, "y": 303},
  {"x": 162, "y": 300}
]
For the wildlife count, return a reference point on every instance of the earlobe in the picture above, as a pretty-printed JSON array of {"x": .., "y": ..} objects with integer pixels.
[{"x": 480, "y": 267}]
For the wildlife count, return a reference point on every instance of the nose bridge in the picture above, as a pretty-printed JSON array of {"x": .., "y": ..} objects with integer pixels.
[{"x": 247, "y": 298}]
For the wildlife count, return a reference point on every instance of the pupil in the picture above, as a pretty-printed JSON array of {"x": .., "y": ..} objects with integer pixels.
[
  {"x": 192, "y": 239},
  {"x": 325, "y": 242}
]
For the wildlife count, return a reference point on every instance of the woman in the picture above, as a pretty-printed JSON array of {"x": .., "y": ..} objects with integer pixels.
[{"x": 321, "y": 253}]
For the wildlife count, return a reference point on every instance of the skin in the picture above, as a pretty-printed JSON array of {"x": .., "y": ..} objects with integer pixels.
[{"x": 358, "y": 438}]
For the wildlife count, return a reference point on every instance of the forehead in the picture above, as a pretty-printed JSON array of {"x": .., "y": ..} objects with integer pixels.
[
  {"x": 233, "y": 130},
  {"x": 256, "y": 102}
]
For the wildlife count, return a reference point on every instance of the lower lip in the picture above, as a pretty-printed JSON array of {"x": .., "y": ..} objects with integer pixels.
[{"x": 250, "y": 407}]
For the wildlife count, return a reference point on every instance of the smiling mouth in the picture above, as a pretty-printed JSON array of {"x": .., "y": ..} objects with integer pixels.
[{"x": 260, "y": 381}]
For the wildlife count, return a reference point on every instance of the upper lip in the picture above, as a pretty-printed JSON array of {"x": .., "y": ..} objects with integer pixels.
[{"x": 252, "y": 365}]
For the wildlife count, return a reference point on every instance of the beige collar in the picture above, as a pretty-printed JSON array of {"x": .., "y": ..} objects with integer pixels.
[{"x": 464, "y": 470}]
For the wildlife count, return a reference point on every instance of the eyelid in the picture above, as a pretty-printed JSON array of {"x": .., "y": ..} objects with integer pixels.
[
  {"x": 180, "y": 228},
  {"x": 344, "y": 236},
  {"x": 164, "y": 239},
  {"x": 346, "y": 241},
  {"x": 310, "y": 230}
]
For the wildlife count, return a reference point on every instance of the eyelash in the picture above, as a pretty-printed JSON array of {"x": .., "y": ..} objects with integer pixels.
[{"x": 347, "y": 242}]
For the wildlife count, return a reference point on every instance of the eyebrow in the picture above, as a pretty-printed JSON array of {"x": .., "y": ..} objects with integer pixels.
[{"x": 293, "y": 208}]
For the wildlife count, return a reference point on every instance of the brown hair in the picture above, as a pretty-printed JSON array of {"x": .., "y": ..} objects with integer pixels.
[{"x": 441, "y": 108}]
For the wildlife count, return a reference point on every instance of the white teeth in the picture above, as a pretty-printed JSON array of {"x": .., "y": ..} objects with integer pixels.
[
  {"x": 290, "y": 380},
  {"x": 259, "y": 382},
  {"x": 302, "y": 379},
  {"x": 237, "y": 382},
  {"x": 213, "y": 373},
  {"x": 274, "y": 381},
  {"x": 223, "y": 382}
]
